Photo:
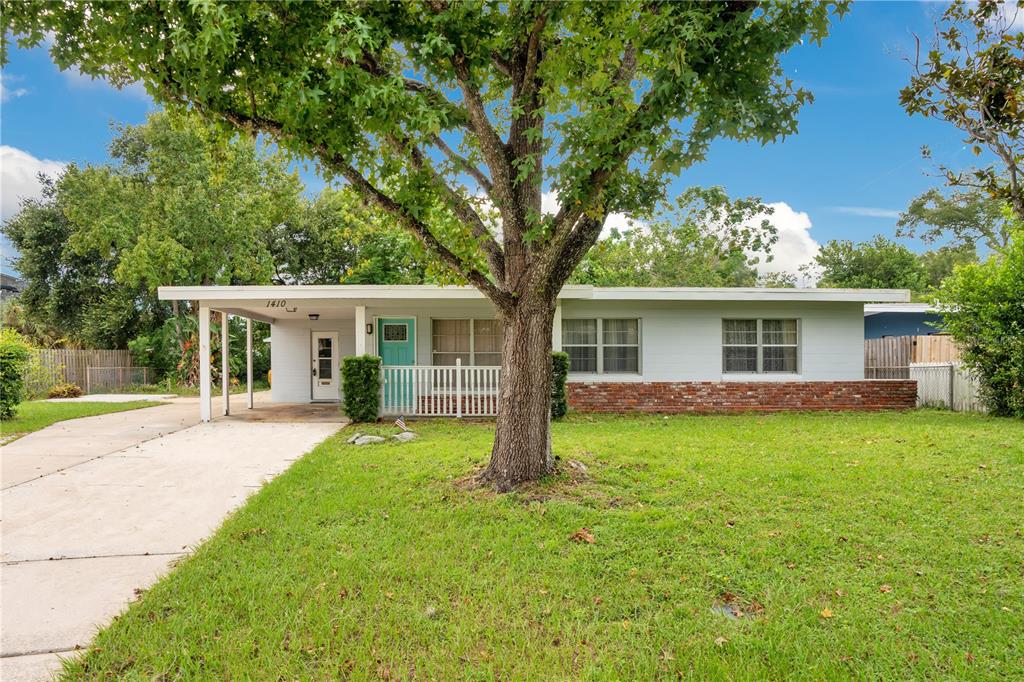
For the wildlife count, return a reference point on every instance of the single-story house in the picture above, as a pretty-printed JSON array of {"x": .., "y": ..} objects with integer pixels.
[
  {"x": 901, "y": 319},
  {"x": 630, "y": 349}
]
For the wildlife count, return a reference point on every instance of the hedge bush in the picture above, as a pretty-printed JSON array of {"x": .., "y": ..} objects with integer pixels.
[
  {"x": 15, "y": 353},
  {"x": 360, "y": 380},
  {"x": 983, "y": 310},
  {"x": 559, "y": 396}
]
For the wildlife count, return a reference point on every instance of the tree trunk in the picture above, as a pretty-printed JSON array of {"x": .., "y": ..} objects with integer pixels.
[{"x": 522, "y": 437}]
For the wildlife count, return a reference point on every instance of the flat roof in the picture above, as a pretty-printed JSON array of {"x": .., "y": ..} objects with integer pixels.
[
  {"x": 429, "y": 291},
  {"x": 876, "y": 308}
]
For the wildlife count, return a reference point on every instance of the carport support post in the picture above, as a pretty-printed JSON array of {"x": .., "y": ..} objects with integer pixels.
[
  {"x": 225, "y": 370},
  {"x": 248, "y": 362},
  {"x": 204, "y": 364}
]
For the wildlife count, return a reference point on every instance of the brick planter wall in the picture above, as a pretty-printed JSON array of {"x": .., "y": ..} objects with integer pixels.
[{"x": 708, "y": 397}]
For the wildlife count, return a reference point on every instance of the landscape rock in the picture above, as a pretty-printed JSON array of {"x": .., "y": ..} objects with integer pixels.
[
  {"x": 405, "y": 436},
  {"x": 354, "y": 438},
  {"x": 367, "y": 440},
  {"x": 577, "y": 465}
]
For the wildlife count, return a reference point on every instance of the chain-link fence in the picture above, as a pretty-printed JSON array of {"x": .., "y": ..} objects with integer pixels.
[{"x": 116, "y": 379}]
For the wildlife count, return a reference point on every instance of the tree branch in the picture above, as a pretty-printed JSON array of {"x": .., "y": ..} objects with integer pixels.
[
  {"x": 463, "y": 163},
  {"x": 458, "y": 204},
  {"x": 372, "y": 195}
]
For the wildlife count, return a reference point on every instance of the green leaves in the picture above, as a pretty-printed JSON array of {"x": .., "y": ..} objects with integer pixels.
[
  {"x": 973, "y": 77},
  {"x": 983, "y": 309},
  {"x": 602, "y": 102}
]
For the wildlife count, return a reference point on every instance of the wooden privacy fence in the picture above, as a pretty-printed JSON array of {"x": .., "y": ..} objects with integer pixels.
[
  {"x": 890, "y": 357},
  {"x": 54, "y": 366},
  {"x": 946, "y": 384}
]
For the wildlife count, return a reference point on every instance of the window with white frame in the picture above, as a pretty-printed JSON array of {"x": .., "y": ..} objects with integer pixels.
[
  {"x": 396, "y": 331},
  {"x": 602, "y": 346},
  {"x": 474, "y": 342},
  {"x": 760, "y": 346}
]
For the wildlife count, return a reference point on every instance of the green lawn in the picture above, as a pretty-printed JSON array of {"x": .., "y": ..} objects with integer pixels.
[
  {"x": 867, "y": 546},
  {"x": 39, "y": 414}
]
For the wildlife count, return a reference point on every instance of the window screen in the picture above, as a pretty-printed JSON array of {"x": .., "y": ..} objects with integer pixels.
[
  {"x": 474, "y": 342},
  {"x": 760, "y": 346},
  {"x": 602, "y": 345}
]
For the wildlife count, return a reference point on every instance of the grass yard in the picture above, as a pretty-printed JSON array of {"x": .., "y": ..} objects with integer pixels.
[
  {"x": 868, "y": 546},
  {"x": 38, "y": 414}
]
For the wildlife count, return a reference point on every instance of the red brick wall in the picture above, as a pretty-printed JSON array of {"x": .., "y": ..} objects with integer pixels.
[{"x": 707, "y": 397}]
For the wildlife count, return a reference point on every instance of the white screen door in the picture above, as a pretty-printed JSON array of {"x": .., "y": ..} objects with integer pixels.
[{"x": 325, "y": 366}]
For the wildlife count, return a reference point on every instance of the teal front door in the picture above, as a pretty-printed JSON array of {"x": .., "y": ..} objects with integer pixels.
[
  {"x": 396, "y": 344},
  {"x": 396, "y": 340}
]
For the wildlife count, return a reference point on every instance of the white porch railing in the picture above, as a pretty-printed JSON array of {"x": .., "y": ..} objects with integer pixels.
[{"x": 440, "y": 391}]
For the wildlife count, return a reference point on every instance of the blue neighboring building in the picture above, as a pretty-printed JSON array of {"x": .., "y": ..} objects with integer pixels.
[{"x": 900, "y": 319}]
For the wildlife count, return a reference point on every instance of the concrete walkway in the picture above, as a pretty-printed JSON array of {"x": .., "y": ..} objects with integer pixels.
[{"x": 111, "y": 505}]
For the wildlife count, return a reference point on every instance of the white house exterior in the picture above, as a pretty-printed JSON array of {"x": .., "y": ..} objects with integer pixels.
[{"x": 664, "y": 349}]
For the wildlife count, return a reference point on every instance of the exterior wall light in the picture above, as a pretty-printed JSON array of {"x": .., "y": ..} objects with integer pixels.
[
  {"x": 369, "y": 328},
  {"x": 314, "y": 316}
]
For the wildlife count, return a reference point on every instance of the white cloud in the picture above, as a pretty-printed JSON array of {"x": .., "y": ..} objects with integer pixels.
[
  {"x": 18, "y": 177},
  {"x": 868, "y": 211},
  {"x": 8, "y": 93},
  {"x": 795, "y": 247}
]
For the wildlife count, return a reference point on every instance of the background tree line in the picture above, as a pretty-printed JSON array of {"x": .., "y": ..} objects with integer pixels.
[{"x": 181, "y": 203}]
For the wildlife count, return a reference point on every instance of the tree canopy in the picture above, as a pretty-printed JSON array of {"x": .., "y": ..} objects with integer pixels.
[
  {"x": 881, "y": 263},
  {"x": 181, "y": 204},
  {"x": 965, "y": 217},
  {"x": 704, "y": 239},
  {"x": 68, "y": 298},
  {"x": 334, "y": 239},
  {"x": 876, "y": 264},
  {"x": 972, "y": 76},
  {"x": 602, "y": 101}
]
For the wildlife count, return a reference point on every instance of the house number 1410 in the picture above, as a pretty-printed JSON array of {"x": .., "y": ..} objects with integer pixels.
[{"x": 279, "y": 303}]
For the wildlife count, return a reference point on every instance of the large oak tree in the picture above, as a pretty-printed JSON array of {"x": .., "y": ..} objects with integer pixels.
[{"x": 438, "y": 112}]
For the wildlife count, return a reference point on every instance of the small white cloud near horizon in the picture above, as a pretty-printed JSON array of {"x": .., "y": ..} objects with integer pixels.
[
  {"x": 19, "y": 179},
  {"x": 8, "y": 93},
  {"x": 868, "y": 211},
  {"x": 795, "y": 246}
]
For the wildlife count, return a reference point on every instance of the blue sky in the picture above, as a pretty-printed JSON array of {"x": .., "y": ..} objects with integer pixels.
[{"x": 853, "y": 165}]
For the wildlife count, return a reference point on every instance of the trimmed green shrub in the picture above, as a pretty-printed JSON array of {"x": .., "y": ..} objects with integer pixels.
[
  {"x": 15, "y": 353},
  {"x": 559, "y": 396},
  {"x": 360, "y": 381},
  {"x": 65, "y": 391}
]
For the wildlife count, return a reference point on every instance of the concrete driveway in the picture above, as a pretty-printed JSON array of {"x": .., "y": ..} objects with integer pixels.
[{"x": 96, "y": 508}]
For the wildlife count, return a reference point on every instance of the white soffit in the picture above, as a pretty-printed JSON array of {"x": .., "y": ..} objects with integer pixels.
[{"x": 361, "y": 292}]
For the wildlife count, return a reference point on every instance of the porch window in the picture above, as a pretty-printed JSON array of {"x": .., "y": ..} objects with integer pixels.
[
  {"x": 602, "y": 346},
  {"x": 760, "y": 346},
  {"x": 474, "y": 342}
]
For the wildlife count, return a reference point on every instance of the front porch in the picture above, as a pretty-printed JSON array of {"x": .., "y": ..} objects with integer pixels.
[
  {"x": 440, "y": 348},
  {"x": 264, "y": 411}
]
